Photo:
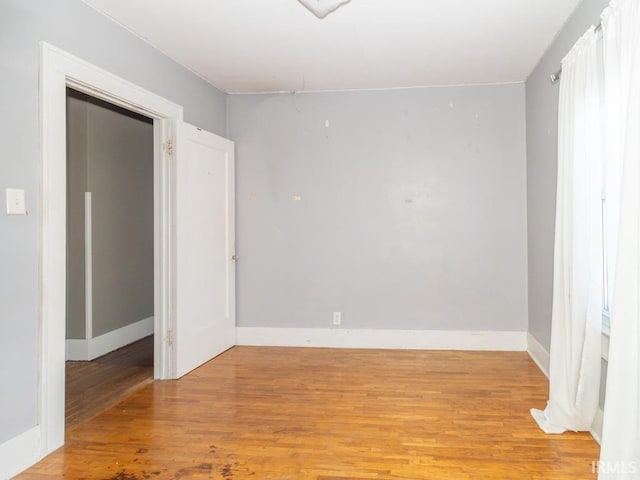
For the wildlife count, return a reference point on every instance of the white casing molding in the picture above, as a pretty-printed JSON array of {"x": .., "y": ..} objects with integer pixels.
[
  {"x": 88, "y": 268},
  {"x": 19, "y": 453},
  {"x": 92, "y": 348},
  {"x": 538, "y": 353},
  {"x": 385, "y": 339}
]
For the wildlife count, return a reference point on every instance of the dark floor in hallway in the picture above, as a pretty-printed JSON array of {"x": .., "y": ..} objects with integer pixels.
[{"x": 92, "y": 387}]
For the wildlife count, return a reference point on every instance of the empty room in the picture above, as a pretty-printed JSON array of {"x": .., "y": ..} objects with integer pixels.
[{"x": 320, "y": 239}]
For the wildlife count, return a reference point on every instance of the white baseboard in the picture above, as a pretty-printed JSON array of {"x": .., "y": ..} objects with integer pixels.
[
  {"x": 386, "y": 339},
  {"x": 538, "y": 353},
  {"x": 19, "y": 453},
  {"x": 96, "y": 347}
]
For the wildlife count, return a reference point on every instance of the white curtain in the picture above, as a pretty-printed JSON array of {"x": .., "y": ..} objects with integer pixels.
[
  {"x": 620, "y": 452},
  {"x": 577, "y": 280}
]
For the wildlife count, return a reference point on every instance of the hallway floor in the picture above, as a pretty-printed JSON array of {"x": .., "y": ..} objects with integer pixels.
[{"x": 92, "y": 387}]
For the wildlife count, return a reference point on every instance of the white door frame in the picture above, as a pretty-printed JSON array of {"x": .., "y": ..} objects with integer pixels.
[{"x": 59, "y": 70}]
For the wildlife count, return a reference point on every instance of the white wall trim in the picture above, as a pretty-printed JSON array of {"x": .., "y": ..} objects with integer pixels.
[
  {"x": 19, "y": 453},
  {"x": 538, "y": 353},
  {"x": 385, "y": 339},
  {"x": 92, "y": 348},
  {"x": 88, "y": 269}
]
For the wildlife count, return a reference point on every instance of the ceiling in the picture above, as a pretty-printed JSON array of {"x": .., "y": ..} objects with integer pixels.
[{"x": 278, "y": 45}]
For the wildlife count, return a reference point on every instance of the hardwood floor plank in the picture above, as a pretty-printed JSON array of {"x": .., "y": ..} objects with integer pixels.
[{"x": 290, "y": 413}]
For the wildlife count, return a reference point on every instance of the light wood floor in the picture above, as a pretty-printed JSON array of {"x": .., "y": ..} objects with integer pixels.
[
  {"x": 92, "y": 387},
  {"x": 323, "y": 414}
]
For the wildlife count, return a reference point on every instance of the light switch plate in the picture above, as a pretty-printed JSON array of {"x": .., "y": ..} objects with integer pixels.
[{"x": 15, "y": 202}]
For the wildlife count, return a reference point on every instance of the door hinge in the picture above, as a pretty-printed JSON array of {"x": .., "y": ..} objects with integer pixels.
[
  {"x": 169, "y": 338},
  {"x": 168, "y": 147}
]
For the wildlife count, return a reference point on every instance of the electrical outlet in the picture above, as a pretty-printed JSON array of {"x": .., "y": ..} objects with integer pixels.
[{"x": 337, "y": 318}]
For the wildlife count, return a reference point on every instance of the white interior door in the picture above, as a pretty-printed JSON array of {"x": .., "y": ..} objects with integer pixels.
[{"x": 205, "y": 243}]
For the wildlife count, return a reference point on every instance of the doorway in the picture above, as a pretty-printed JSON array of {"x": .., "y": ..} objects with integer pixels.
[
  {"x": 110, "y": 255},
  {"x": 59, "y": 70},
  {"x": 180, "y": 343}
]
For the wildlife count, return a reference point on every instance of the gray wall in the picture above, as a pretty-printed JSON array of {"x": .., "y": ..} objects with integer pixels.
[
  {"x": 121, "y": 183},
  {"x": 76, "y": 28},
  {"x": 542, "y": 142},
  {"x": 411, "y": 215},
  {"x": 117, "y": 168}
]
